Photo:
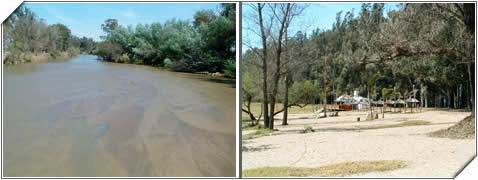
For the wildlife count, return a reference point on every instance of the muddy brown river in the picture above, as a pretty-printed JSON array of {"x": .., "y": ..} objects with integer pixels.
[{"x": 87, "y": 118}]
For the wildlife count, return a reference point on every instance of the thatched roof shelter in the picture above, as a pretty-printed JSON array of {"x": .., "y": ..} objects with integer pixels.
[
  {"x": 400, "y": 102},
  {"x": 389, "y": 102},
  {"x": 379, "y": 102},
  {"x": 412, "y": 100}
]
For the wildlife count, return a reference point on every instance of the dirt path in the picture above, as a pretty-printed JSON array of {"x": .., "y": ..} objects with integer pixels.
[{"x": 342, "y": 139}]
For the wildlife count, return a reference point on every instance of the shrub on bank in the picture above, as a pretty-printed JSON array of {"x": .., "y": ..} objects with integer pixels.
[
  {"x": 17, "y": 57},
  {"x": 183, "y": 65},
  {"x": 73, "y": 51},
  {"x": 168, "y": 63},
  {"x": 123, "y": 59},
  {"x": 230, "y": 68}
]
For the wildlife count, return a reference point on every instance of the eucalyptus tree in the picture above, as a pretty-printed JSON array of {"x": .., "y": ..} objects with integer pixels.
[
  {"x": 109, "y": 26},
  {"x": 441, "y": 30}
]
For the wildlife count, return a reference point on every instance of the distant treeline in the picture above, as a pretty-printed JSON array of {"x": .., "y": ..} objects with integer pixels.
[
  {"x": 26, "y": 37},
  {"x": 206, "y": 44},
  {"x": 417, "y": 51}
]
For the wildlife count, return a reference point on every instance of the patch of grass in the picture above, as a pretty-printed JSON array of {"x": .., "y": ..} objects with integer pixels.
[
  {"x": 248, "y": 126},
  {"x": 333, "y": 170},
  {"x": 403, "y": 124},
  {"x": 260, "y": 133},
  {"x": 306, "y": 129},
  {"x": 256, "y": 109},
  {"x": 137, "y": 61},
  {"x": 465, "y": 129}
]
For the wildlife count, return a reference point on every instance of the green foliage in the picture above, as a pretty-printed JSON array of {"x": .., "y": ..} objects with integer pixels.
[
  {"x": 307, "y": 129},
  {"x": 260, "y": 133},
  {"x": 419, "y": 47},
  {"x": 124, "y": 59},
  {"x": 109, "y": 25},
  {"x": 207, "y": 44},
  {"x": 109, "y": 51},
  {"x": 73, "y": 51},
  {"x": 230, "y": 68},
  {"x": 63, "y": 41},
  {"x": 86, "y": 45},
  {"x": 26, "y": 34},
  {"x": 204, "y": 17},
  {"x": 167, "y": 63},
  {"x": 304, "y": 92},
  {"x": 250, "y": 91},
  {"x": 137, "y": 61},
  {"x": 387, "y": 93}
]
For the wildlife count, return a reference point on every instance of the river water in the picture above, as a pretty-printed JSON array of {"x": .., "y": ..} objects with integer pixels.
[{"x": 84, "y": 117}]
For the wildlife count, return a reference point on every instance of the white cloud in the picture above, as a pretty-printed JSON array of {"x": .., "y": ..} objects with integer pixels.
[
  {"x": 65, "y": 19},
  {"x": 59, "y": 15},
  {"x": 129, "y": 13}
]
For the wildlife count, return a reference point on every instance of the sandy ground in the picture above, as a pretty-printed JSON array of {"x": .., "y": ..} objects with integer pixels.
[{"x": 342, "y": 139}]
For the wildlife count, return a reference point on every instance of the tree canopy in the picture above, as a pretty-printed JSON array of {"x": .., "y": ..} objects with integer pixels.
[
  {"x": 25, "y": 35},
  {"x": 419, "y": 50},
  {"x": 205, "y": 44}
]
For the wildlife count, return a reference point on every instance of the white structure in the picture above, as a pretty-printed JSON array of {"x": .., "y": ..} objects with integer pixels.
[{"x": 359, "y": 102}]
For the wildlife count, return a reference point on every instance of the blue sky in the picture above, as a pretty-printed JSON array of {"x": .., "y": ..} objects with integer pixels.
[
  {"x": 85, "y": 19},
  {"x": 316, "y": 15}
]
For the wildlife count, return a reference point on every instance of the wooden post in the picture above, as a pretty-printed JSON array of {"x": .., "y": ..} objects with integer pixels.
[{"x": 325, "y": 88}]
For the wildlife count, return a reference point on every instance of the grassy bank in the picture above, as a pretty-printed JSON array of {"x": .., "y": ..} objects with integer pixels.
[
  {"x": 334, "y": 170},
  {"x": 36, "y": 57}
]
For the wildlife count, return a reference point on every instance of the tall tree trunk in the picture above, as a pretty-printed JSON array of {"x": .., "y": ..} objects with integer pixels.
[
  {"x": 325, "y": 87},
  {"x": 264, "y": 66},
  {"x": 471, "y": 80},
  {"x": 426, "y": 100},
  {"x": 286, "y": 99},
  {"x": 276, "y": 75},
  {"x": 287, "y": 79},
  {"x": 469, "y": 15},
  {"x": 457, "y": 97},
  {"x": 272, "y": 108},
  {"x": 450, "y": 98}
]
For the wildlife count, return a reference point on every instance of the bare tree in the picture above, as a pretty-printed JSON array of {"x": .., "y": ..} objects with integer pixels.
[
  {"x": 264, "y": 26},
  {"x": 283, "y": 14}
]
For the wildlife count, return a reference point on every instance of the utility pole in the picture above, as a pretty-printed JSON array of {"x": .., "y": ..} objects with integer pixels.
[{"x": 325, "y": 88}]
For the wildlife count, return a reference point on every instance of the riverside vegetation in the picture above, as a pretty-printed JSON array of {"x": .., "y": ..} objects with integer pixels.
[
  {"x": 205, "y": 45},
  {"x": 28, "y": 38}
]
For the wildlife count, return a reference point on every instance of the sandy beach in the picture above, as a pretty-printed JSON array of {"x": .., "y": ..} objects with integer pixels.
[{"x": 343, "y": 139}]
